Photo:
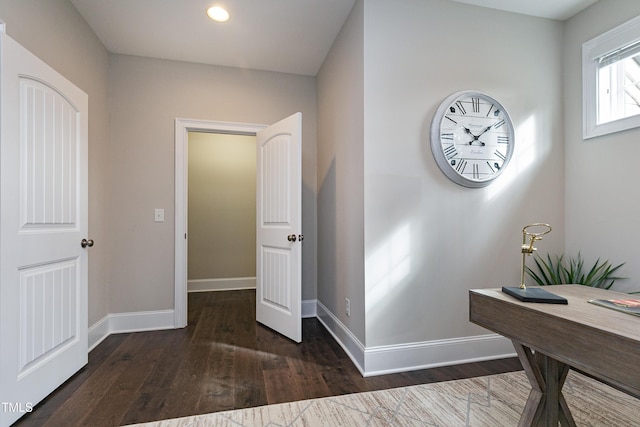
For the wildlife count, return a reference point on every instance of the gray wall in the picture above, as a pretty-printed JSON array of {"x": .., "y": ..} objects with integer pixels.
[
  {"x": 427, "y": 240},
  {"x": 341, "y": 176},
  {"x": 146, "y": 97},
  {"x": 602, "y": 207},
  {"x": 133, "y": 103},
  {"x": 55, "y": 32},
  {"x": 380, "y": 192},
  {"x": 222, "y": 206}
]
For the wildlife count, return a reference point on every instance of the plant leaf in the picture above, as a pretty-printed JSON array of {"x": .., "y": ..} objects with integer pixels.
[{"x": 558, "y": 270}]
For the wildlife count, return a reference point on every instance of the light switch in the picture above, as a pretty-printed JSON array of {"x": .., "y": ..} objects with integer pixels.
[{"x": 159, "y": 215}]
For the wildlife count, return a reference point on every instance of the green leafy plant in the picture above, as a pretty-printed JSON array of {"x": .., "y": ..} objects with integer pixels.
[{"x": 558, "y": 270}]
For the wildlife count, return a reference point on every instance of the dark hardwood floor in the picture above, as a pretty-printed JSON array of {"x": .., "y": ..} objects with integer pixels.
[{"x": 223, "y": 360}]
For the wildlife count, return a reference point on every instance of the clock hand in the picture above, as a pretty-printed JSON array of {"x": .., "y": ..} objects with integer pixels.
[
  {"x": 476, "y": 138},
  {"x": 489, "y": 127},
  {"x": 485, "y": 130},
  {"x": 468, "y": 131}
]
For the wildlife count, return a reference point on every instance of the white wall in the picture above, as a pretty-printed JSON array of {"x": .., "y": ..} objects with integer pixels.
[
  {"x": 428, "y": 240},
  {"x": 146, "y": 97},
  {"x": 602, "y": 204}
]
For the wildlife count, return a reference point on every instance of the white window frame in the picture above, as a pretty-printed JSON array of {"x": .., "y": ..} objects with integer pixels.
[{"x": 592, "y": 50}]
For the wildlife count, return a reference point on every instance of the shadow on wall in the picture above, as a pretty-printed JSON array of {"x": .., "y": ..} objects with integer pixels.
[{"x": 327, "y": 241}]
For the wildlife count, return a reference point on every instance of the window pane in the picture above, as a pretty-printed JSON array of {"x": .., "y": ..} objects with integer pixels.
[{"x": 619, "y": 90}]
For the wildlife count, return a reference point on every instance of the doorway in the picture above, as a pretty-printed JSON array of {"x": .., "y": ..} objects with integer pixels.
[
  {"x": 182, "y": 129},
  {"x": 221, "y": 216},
  {"x": 278, "y": 220}
]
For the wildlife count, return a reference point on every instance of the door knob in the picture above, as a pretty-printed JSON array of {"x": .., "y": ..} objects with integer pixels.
[
  {"x": 291, "y": 237},
  {"x": 300, "y": 237},
  {"x": 86, "y": 243}
]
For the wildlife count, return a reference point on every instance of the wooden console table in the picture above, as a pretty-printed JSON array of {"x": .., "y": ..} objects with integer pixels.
[{"x": 551, "y": 338}]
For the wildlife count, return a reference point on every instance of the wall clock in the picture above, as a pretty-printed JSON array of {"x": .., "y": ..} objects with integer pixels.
[{"x": 472, "y": 138}]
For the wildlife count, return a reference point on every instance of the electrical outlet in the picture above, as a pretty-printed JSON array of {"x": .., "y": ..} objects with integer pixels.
[{"x": 347, "y": 307}]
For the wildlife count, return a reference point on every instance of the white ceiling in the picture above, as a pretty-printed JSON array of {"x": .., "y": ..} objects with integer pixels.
[
  {"x": 290, "y": 36},
  {"x": 553, "y": 9}
]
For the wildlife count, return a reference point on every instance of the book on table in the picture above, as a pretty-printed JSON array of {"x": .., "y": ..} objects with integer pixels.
[
  {"x": 631, "y": 306},
  {"x": 533, "y": 294}
]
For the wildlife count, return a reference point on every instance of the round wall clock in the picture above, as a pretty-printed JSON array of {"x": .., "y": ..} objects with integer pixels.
[{"x": 472, "y": 138}]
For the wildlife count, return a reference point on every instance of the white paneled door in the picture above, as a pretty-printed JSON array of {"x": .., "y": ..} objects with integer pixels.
[
  {"x": 43, "y": 204},
  {"x": 279, "y": 233}
]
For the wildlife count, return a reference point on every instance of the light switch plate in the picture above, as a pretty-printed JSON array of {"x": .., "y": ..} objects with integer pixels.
[{"x": 159, "y": 215}]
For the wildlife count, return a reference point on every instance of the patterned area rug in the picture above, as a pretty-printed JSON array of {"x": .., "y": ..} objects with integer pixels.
[{"x": 491, "y": 401}]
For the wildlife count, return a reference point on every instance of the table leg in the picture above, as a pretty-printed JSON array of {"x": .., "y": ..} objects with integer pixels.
[{"x": 546, "y": 404}]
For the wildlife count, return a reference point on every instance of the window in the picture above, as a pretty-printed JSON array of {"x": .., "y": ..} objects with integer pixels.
[{"x": 611, "y": 81}]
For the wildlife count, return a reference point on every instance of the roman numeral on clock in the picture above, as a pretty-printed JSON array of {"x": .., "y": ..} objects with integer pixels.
[
  {"x": 450, "y": 152},
  {"x": 476, "y": 104},
  {"x": 461, "y": 166},
  {"x": 448, "y": 136},
  {"x": 503, "y": 139},
  {"x": 499, "y": 124},
  {"x": 500, "y": 155},
  {"x": 476, "y": 171},
  {"x": 461, "y": 107}
]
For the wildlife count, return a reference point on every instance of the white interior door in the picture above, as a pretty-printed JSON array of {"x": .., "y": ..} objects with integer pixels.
[
  {"x": 43, "y": 203},
  {"x": 279, "y": 232}
]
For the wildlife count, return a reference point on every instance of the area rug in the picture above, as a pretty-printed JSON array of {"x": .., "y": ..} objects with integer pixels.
[{"x": 491, "y": 401}]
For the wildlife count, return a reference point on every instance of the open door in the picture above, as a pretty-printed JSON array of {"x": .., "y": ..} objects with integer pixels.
[
  {"x": 43, "y": 220},
  {"x": 279, "y": 233}
]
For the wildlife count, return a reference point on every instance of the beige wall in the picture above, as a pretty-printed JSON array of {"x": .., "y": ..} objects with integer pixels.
[
  {"x": 55, "y": 32},
  {"x": 222, "y": 206},
  {"x": 147, "y": 95}
]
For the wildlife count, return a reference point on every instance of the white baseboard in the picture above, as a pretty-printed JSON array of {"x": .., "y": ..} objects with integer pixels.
[
  {"x": 98, "y": 332},
  {"x": 129, "y": 322},
  {"x": 309, "y": 308},
  {"x": 343, "y": 336},
  {"x": 369, "y": 361},
  {"x": 372, "y": 361},
  {"x": 431, "y": 354},
  {"x": 151, "y": 321},
  {"x": 227, "y": 284}
]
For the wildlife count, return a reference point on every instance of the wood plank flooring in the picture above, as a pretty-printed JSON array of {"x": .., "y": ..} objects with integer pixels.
[{"x": 222, "y": 360}]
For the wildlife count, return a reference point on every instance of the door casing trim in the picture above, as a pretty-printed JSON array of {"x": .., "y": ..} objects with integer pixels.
[{"x": 182, "y": 129}]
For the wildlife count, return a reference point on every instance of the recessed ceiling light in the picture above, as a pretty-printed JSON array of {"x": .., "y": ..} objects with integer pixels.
[{"x": 218, "y": 14}]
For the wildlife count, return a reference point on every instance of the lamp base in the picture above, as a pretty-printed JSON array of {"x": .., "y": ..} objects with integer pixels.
[{"x": 534, "y": 294}]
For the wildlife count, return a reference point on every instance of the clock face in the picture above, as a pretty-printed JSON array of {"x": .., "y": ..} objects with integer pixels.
[{"x": 472, "y": 138}]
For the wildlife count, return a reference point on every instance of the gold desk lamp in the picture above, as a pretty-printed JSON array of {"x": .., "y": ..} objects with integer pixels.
[{"x": 535, "y": 294}]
